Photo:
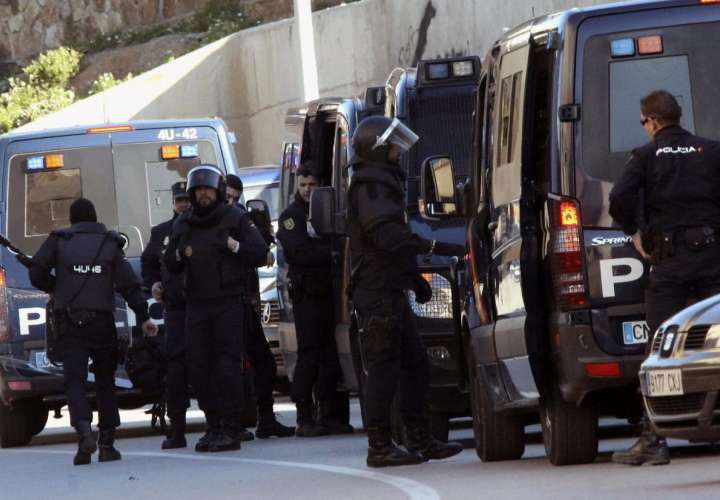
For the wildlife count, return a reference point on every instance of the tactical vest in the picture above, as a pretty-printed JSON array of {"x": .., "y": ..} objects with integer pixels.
[
  {"x": 372, "y": 267},
  {"x": 75, "y": 269},
  {"x": 211, "y": 270}
]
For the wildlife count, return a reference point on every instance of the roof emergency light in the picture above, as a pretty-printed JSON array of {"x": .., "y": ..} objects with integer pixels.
[
  {"x": 36, "y": 163},
  {"x": 110, "y": 128},
  {"x": 170, "y": 152},
  {"x": 54, "y": 161},
  {"x": 623, "y": 47},
  {"x": 189, "y": 151},
  {"x": 650, "y": 45},
  {"x": 438, "y": 71},
  {"x": 463, "y": 68}
]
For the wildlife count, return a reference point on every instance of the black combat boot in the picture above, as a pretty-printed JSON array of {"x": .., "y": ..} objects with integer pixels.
[
  {"x": 106, "y": 439},
  {"x": 268, "y": 426},
  {"x": 335, "y": 414},
  {"x": 213, "y": 430},
  {"x": 86, "y": 443},
  {"x": 228, "y": 439},
  {"x": 420, "y": 441},
  {"x": 382, "y": 452},
  {"x": 176, "y": 436},
  {"x": 649, "y": 449},
  {"x": 243, "y": 434},
  {"x": 306, "y": 424}
]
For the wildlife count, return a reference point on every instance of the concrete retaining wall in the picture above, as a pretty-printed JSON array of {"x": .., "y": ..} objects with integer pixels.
[{"x": 252, "y": 77}]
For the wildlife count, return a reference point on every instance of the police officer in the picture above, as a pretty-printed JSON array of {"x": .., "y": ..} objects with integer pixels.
[
  {"x": 167, "y": 289},
  {"x": 384, "y": 266},
  {"x": 212, "y": 245},
  {"x": 80, "y": 267},
  {"x": 310, "y": 282},
  {"x": 256, "y": 345},
  {"x": 674, "y": 224}
]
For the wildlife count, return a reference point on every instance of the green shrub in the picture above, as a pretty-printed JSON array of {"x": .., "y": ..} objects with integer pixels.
[
  {"x": 107, "y": 81},
  {"x": 54, "y": 68}
]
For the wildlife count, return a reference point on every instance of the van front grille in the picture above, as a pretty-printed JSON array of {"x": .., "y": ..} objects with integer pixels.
[
  {"x": 677, "y": 405},
  {"x": 695, "y": 338}
]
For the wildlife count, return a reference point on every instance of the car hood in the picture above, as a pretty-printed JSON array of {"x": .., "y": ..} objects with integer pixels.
[{"x": 706, "y": 312}]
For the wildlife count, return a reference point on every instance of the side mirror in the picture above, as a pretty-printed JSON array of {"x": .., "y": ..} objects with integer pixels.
[
  {"x": 322, "y": 211},
  {"x": 260, "y": 212},
  {"x": 437, "y": 188}
]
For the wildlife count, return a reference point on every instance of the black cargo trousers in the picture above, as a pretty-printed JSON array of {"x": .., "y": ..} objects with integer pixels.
[
  {"x": 393, "y": 356},
  {"x": 178, "y": 374},
  {"x": 97, "y": 340},
  {"x": 258, "y": 352},
  {"x": 687, "y": 274},
  {"x": 215, "y": 331},
  {"x": 317, "y": 364}
]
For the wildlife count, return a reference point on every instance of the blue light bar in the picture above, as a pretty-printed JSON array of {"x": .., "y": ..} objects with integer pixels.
[
  {"x": 189, "y": 151},
  {"x": 438, "y": 71},
  {"x": 36, "y": 163},
  {"x": 623, "y": 47}
]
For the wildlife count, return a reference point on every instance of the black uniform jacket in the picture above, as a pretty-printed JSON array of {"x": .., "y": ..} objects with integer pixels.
[
  {"x": 198, "y": 249},
  {"x": 384, "y": 249},
  {"x": 153, "y": 269},
  {"x": 71, "y": 254},
  {"x": 679, "y": 174},
  {"x": 304, "y": 254}
]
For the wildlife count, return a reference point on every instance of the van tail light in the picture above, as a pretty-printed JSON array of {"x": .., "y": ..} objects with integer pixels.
[
  {"x": 567, "y": 264},
  {"x": 4, "y": 319}
]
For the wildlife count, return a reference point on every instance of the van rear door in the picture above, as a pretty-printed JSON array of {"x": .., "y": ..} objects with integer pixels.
[{"x": 620, "y": 59}]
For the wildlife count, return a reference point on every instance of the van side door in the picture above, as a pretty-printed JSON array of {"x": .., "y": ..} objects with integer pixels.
[{"x": 509, "y": 252}]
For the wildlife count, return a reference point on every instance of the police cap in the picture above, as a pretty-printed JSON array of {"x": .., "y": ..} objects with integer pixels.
[{"x": 179, "y": 190}]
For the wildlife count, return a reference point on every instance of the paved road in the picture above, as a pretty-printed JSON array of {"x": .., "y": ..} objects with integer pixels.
[{"x": 333, "y": 468}]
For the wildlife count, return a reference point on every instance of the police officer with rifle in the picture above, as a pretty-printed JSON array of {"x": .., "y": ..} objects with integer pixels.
[
  {"x": 256, "y": 345},
  {"x": 212, "y": 246},
  {"x": 167, "y": 289},
  {"x": 384, "y": 266},
  {"x": 81, "y": 267},
  {"x": 668, "y": 199}
]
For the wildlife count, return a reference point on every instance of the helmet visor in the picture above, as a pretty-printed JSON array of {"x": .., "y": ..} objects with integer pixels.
[
  {"x": 204, "y": 176},
  {"x": 397, "y": 134}
]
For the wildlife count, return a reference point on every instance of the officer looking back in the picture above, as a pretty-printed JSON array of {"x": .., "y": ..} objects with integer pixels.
[
  {"x": 256, "y": 345},
  {"x": 384, "y": 265},
  {"x": 679, "y": 174},
  {"x": 311, "y": 287},
  {"x": 213, "y": 245},
  {"x": 167, "y": 288},
  {"x": 89, "y": 264}
]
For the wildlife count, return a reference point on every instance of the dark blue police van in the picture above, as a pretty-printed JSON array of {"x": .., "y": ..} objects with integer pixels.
[{"x": 127, "y": 171}]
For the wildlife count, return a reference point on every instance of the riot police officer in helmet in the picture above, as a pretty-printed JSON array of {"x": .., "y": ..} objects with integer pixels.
[
  {"x": 384, "y": 266},
  {"x": 81, "y": 266},
  {"x": 212, "y": 245},
  {"x": 668, "y": 199},
  {"x": 167, "y": 289}
]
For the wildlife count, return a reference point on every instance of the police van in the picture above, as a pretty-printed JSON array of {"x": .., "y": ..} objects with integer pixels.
[
  {"x": 437, "y": 101},
  {"x": 126, "y": 170},
  {"x": 321, "y": 131},
  {"x": 553, "y": 324}
]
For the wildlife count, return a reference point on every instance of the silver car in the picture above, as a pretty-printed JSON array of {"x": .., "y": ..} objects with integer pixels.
[{"x": 680, "y": 379}]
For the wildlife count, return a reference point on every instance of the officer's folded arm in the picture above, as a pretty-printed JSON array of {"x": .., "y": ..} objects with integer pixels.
[{"x": 247, "y": 242}]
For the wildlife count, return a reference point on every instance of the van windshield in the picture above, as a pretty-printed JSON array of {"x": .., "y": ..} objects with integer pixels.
[
  {"x": 686, "y": 65},
  {"x": 127, "y": 175}
]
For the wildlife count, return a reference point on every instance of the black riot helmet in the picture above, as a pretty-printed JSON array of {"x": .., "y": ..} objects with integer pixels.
[
  {"x": 206, "y": 176},
  {"x": 375, "y": 135}
]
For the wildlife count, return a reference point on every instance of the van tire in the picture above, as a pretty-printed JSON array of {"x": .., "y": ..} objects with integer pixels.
[
  {"x": 498, "y": 436},
  {"x": 38, "y": 414},
  {"x": 570, "y": 432},
  {"x": 15, "y": 428}
]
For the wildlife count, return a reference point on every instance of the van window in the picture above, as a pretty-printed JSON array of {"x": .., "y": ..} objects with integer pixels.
[
  {"x": 48, "y": 196},
  {"x": 509, "y": 105}
]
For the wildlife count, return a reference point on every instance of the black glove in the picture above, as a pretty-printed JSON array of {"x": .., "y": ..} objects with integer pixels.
[
  {"x": 450, "y": 249},
  {"x": 422, "y": 289}
]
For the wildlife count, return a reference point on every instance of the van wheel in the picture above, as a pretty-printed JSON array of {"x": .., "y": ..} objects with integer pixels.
[
  {"x": 498, "y": 436},
  {"x": 15, "y": 428},
  {"x": 37, "y": 416},
  {"x": 569, "y": 431}
]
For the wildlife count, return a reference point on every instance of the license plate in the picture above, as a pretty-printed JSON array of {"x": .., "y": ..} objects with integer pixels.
[
  {"x": 664, "y": 383},
  {"x": 41, "y": 360},
  {"x": 635, "y": 332}
]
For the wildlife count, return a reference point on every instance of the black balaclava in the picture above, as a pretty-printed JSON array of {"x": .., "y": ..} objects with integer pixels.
[{"x": 82, "y": 210}]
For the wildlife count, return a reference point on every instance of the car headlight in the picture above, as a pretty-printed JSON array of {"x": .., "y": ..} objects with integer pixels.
[
  {"x": 712, "y": 341},
  {"x": 440, "y": 306}
]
